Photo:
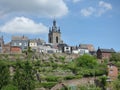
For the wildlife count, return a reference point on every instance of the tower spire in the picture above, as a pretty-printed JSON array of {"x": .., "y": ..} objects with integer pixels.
[{"x": 54, "y": 22}]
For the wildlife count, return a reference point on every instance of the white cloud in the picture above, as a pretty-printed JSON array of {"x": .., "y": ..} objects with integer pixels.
[
  {"x": 87, "y": 11},
  {"x": 42, "y": 8},
  {"x": 102, "y": 8},
  {"x": 23, "y": 25},
  {"x": 105, "y": 5}
]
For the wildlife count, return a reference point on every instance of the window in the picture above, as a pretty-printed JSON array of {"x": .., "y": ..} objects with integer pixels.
[
  {"x": 50, "y": 40},
  {"x": 111, "y": 71},
  {"x": 56, "y": 39},
  {"x": 67, "y": 48},
  {"x": 20, "y": 44},
  {"x": 25, "y": 44},
  {"x": 15, "y": 43}
]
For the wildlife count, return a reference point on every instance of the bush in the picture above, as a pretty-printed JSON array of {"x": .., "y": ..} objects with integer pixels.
[
  {"x": 9, "y": 87},
  {"x": 52, "y": 78},
  {"x": 69, "y": 77},
  {"x": 78, "y": 76},
  {"x": 48, "y": 84}
]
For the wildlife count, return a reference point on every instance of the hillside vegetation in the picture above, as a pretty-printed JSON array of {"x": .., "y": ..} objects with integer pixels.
[{"x": 31, "y": 72}]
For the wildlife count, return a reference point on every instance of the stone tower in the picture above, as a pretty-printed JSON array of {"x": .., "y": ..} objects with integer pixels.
[{"x": 54, "y": 35}]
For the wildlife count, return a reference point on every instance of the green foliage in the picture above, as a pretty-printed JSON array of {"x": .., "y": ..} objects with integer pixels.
[
  {"x": 9, "y": 87},
  {"x": 103, "y": 80},
  {"x": 87, "y": 65},
  {"x": 52, "y": 78},
  {"x": 4, "y": 75},
  {"x": 61, "y": 58},
  {"x": 116, "y": 85},
  {"x": 24, "y": 76},
  {"x": 64, "y": 88},
  {"x": 48, "y": 84},
  {"x": 86, "y": 61},
  {"x": 118, "y": 76},
  {"x": 101, "y": 70},
  {"x": 89, "y": 87},
  {"x": 73, "y": 67},
  {"x": 69, "y": 77},
  {"x": 78, "y": 76},
  {"x": 115, "y": 57}
]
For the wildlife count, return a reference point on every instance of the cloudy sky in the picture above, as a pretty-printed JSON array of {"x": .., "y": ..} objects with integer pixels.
[{"x": 94, "y": 22}]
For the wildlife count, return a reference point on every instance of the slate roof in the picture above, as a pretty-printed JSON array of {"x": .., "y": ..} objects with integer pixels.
[
  {"x": 108, "y": 50},
  {"x": 19, "y": 38},
  {"x": 62, "y": 45}
]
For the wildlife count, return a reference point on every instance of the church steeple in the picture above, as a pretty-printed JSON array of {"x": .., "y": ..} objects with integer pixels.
[
  {"x": 54, "y": 35},
  {"x": 54, "y": 27},
  {"x": 54, "y": 22}
]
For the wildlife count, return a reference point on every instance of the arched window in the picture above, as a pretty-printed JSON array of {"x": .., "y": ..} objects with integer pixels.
[
  {"x": 50, "y": 40},
  {"x": 56, "y": 39}
]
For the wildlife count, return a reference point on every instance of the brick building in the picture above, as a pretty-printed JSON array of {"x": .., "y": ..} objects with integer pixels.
[
  {"x": 15, "y": 49},
  {"x": 112, "y": 71},
  {"x": 104, "y": 53}
]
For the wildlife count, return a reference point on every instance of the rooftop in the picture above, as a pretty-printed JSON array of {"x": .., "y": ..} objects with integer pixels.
[{"x": 107, "y": 50}]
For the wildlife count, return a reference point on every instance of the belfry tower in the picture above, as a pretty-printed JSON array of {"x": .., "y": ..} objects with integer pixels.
[{"x": 54, "y": 35}]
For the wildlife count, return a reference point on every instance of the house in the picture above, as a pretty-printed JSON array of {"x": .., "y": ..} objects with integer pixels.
[
  {"x": 86, "y": 49},
  {"x": 83, "y": 51},
  {"x": 64, "y": 48},
  {"x": 67, "y": 49},
  {"x": 61, "y": 47},
  {"x": 40, "y": 42},
  {"x": 47, "y": 48},
  {"x": 36, "y": 42},
  {"x": 104, "y": 53},
  {"x": 6, "y": 48},
  {"x": 1, "y": 44},
  {"x": 20, "y": 41},
  {"x": 112, "y": 71},
  {"x": 33, "y": 43},
  {"x": 15, "y": 49},
  {"x": 90, "y": 47}
]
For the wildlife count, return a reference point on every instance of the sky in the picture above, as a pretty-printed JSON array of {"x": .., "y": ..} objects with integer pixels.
[{"x": 94, "y": 22}]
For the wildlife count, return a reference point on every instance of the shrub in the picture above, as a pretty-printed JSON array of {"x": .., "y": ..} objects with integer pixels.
[
  {"x": 9, "y": 87},
  {"x": 69, "y": 77},
  {"x": 52, "y": 78},
  {"x": 48, "y": 84},
  {"x": 78, "y": 76}
]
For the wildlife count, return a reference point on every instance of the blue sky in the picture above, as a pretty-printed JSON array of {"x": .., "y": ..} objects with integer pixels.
[{"x": 94, "y": 22}]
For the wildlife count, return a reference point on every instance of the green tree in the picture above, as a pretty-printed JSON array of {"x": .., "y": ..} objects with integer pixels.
[
  {"x": 115, "y": 57},
  {"x": 116, "y": 85},
  {"x": 73, "y": 67},
  {"x": 9, "y": 87},
  {"x": 103, "y": 81},
  {"x": 86, "y": 61},
  {"x": 4, "y": 75},
  {"x": 24, "y": 76}
]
